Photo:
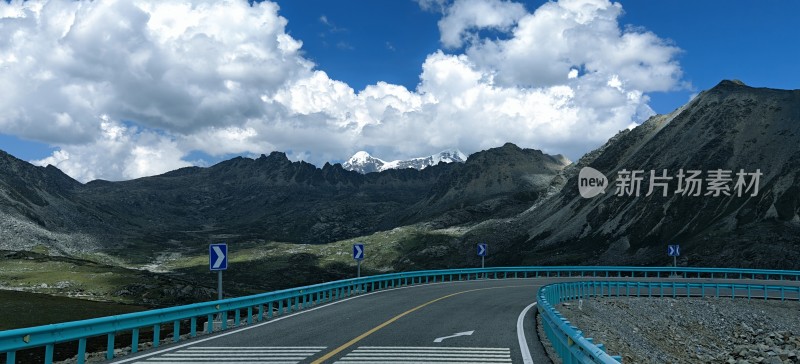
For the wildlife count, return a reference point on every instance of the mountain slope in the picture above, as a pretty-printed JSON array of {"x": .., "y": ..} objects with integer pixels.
[
  {"x": 730, "y": 127},
  {"x": 39, "y": 206},
  {"x": 500, "y": 182}
]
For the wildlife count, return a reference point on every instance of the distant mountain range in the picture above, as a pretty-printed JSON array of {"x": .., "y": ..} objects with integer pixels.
[
  {"x": 269, "y": 198},
  {"x": 524, "y": 203},
  {"x": 363, "y": 162}
]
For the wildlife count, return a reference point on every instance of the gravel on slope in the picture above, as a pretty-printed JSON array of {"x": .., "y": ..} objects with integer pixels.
[{"x": 687, "y": 330}]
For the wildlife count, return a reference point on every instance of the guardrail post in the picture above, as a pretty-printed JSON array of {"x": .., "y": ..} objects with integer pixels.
[
  {"x": 209, "y": 324},
  {"x": 269, "y": 309},
  {"x": 81, "y": 351},
  {"x": 250, "y": 314},
  {"x": 109, "y": 352},
  {"x": 224, "y": 320},
  {"x": 260, "y": 312},
  {"x": 134, "y": 340},
  {"x": 176, "y": 331},
  {"x": 238, "y": 313},
  {"x": 11, "y": 357},
  {"x": 48, "y": 353},
  {"x": 193, "y": 327},
  {"x": 157, "y": 332}
]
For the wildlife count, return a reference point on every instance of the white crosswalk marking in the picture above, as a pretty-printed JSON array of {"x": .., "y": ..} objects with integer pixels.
[
  {"x": 426, "y": 355},
  {"x": 236, "y": 355}
]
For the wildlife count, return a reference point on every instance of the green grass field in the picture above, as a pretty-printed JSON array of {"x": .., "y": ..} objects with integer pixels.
[{"x": 23, "y": 309}]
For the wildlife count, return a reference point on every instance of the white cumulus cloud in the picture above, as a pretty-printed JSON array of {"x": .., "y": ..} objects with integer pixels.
[
  {"x": 466, "y": 15},
  {"x": 130, "y": 88}
]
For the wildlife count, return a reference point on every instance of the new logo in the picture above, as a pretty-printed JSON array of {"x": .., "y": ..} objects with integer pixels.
[{"x": 591, "y": 182}]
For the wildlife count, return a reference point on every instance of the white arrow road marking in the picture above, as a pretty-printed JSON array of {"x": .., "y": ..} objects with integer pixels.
[
  {"x": 465, "y": 333},
  {"x": 523, "y": 344},
  {"x": 220, "y": 257}
]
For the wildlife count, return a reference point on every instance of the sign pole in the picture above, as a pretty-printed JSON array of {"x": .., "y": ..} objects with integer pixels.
[
  {"x": 482, "y": 262},
  {"x": 219, "y": 284},
  {"x": 674, "y": 261},
  {"x": 358, "y": 274}
]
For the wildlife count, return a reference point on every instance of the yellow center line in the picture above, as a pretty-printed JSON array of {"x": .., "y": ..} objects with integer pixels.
[{"x": 393, "y": 319}]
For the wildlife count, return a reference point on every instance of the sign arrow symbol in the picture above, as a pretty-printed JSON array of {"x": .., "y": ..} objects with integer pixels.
[
  {"x": 220, "y": 257},
  {"x": 465, "y": 333}
]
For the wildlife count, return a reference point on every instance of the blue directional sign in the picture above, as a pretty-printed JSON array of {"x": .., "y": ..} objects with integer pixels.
[
  {"x": 674, "y": 250},
  {"x": 358, "y": 251},
  {"x": 218, "y": 256},
  {"x": 483, "y": 249}
]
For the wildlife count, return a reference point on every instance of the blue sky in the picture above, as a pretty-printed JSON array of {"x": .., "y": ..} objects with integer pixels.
[
  {"x": 358, "y": 44},
  {"x": 747, "y": 40}
]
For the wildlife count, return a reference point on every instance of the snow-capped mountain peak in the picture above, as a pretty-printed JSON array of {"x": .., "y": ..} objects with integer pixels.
[
  {"x": 360, "y": 157},
  {"x": 363, "y": 162}
]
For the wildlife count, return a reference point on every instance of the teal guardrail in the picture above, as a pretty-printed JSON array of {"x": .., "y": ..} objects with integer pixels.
[
  {"x": 186, "y": 319},
  {"x": 570, "y": 344}
]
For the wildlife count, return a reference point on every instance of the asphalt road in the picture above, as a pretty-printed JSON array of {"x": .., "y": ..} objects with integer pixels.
[
  {"x": 477, "y": 322},
  {"x": 400, "y": 325}
]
